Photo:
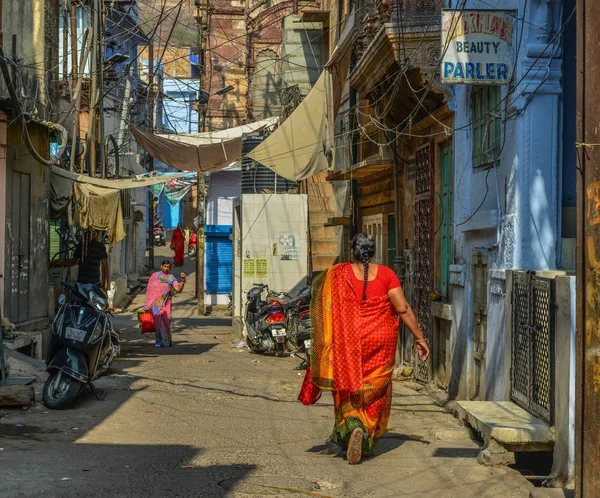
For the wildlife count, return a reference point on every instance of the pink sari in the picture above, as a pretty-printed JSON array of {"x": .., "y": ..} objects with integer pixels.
[{"x": 158, "y": 300}]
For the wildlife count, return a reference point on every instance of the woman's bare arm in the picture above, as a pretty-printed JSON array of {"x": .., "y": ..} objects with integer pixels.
[
  {"x": 402, "y": 307},
  {"x": 180, "y": 285}
]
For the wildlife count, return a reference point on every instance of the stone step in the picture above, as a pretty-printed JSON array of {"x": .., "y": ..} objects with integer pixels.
[{"x": 506, "y": 428}]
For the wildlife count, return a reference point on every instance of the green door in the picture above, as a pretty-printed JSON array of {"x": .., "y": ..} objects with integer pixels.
[{"x": 446, "y": 227}]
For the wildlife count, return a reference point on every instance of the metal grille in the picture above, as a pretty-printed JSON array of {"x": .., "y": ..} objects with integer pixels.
[
  {"x": 533, "y": 335},
  {"x": 422, "y": 12},
  {"x": 423, "y": 174},
  {"x": 423, "y": 281}
]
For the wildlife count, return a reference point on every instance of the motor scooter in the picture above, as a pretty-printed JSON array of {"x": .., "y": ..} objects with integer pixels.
[
  {"x": 265, "y": 322},
  {"x": 298, "y": 323},
  {"x": 82, "y": 346},
  {"x": 158, "y": 232},
  {"x": 192, "y": 245}
]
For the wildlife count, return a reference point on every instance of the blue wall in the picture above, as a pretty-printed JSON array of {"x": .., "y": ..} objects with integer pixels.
[
  {"x": 171, "y": 214},
  {"x": 179, "y": 115},
  {"x": 569, "y": 179}
]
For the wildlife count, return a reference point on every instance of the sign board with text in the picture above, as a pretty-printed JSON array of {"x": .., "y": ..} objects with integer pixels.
[{"x": 478, "y": 46}]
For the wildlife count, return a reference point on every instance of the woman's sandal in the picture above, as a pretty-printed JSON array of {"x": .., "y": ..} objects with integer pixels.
[{"x": 354, "y": 452}]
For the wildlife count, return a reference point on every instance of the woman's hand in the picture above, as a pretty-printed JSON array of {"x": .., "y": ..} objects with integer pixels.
[
  {"x": 423, "y": 350},
  {"x": 178, "y": 287}
]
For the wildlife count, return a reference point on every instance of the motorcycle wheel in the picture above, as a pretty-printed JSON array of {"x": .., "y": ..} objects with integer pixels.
[
  {"x": 251, "y": 346},
  {"x": 290, "y": 345},
  {"x": 60, "y": 391}
]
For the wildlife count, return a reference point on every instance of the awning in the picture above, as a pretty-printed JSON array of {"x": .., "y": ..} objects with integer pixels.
[
  {"x": 210, "y": 151},
  {"x": 120, "y": 184},
  {"x": 304, "y": 143}
]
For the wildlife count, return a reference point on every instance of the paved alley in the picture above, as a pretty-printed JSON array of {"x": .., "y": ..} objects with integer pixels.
[{"x": 207, "y": 419}]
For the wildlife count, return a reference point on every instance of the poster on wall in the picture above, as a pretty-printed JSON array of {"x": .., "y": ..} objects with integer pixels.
[
  {"x": 478, "y": 46},
  {"x": 288, "y": 247},
  {"x": 255, "y": 268}
]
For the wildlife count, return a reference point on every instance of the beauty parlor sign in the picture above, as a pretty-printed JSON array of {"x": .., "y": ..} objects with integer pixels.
[{"x": 477, "y": 46}]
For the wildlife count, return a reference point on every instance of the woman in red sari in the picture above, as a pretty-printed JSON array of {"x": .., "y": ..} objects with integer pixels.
[
  {"x": 355, "y": 310},
  {"x": 177, "y": 245}
]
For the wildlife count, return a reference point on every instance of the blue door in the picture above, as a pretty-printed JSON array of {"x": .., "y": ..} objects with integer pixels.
[{"x": 219, "y": 259}]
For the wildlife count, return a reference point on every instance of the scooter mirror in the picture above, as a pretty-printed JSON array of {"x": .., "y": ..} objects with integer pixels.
[{"x": 62, "y": 299}]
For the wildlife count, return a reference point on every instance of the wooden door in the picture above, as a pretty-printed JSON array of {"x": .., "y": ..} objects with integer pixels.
[
  {"x": 373, "y": 225},
  {"x": 18, "y": 240}
]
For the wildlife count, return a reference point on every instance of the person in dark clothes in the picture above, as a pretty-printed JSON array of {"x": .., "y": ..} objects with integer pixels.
[{"x": 90, "y": 257}]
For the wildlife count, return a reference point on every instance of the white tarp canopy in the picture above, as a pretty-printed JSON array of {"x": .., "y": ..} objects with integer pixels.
[
  {"x": 209, "y": 151},
  {"x": 120, "y": 184},
  {"x": 304, "y": 143}
]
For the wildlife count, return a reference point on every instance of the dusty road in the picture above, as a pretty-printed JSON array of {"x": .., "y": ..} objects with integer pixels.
[{"x": 206, "y": 419}]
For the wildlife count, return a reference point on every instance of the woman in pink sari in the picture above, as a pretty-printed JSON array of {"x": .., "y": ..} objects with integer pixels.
[
  {"x": 159, "y": 294},
  {"x": 177, "y": 245}
]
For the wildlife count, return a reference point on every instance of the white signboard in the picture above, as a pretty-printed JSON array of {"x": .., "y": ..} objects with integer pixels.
[{"x": 478, "y": 46}]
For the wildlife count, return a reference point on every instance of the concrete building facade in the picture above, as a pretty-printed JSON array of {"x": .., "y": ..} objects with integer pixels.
[{"x": 32, "y": 28}]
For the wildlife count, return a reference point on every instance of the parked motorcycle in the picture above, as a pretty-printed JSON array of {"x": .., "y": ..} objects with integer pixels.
[
  {"x": 192, "y": 245},
  {"x": 159, "y": 234},
  {"x": 82, "y": 347},
  {"x": 265, "y": 322},
  {"x": 298, "y": 325}
]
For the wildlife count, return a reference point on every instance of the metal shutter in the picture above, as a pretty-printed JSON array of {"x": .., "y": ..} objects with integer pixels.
[{"x": 219, "y": 259}]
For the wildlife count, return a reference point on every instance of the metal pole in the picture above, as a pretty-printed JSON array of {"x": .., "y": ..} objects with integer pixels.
[
  {"x": 200, "y": 194},
  {"x": 74, "y": 68},
  {"x": 65, "y": 54},
  {"x": 587, "y": 422},
  {"x": 2, "y": 371},
  {"x": 149, "y": 158},
  {"x": 91, "y": 137},
  {"x": 100, "y": 141}
]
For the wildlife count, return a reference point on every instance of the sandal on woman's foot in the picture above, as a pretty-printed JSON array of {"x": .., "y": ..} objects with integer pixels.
[{"x": 354, "y": 452}]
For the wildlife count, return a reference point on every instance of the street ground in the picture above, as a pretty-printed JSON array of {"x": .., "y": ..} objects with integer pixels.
[{"x": 205, "y": 419}]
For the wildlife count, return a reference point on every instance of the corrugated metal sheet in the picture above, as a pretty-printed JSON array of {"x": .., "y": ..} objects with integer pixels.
[{"x": 219, "y": 259}]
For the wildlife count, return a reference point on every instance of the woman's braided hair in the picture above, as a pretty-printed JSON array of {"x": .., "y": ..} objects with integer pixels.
[{"x": 363, "y": 249}]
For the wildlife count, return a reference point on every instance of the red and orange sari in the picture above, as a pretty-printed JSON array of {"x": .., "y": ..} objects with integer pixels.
[
  {"x": 177, "y": 244},
  {"x": 353, "y": 356}
]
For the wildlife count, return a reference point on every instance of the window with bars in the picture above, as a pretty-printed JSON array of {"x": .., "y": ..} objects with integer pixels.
[
  {"x": 374, "y": 225},
  {"x": 486, "y": 124}
]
